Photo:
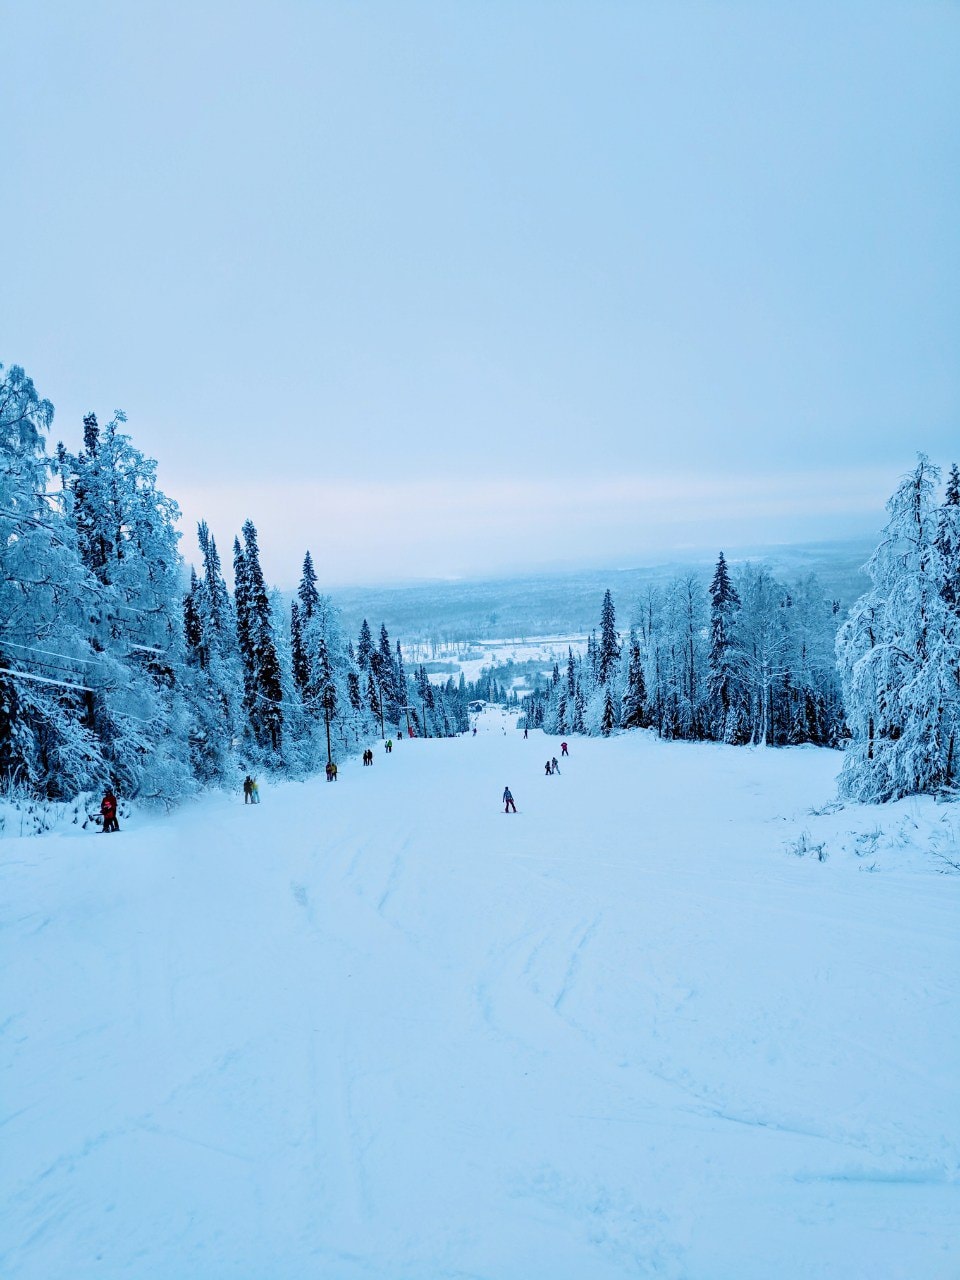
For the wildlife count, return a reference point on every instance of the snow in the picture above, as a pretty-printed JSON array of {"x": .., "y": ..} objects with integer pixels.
[
  {"x": 485, "y": 654},
  {"x": 378, "y": 1028},
  {"x": 60, "y": 684}
]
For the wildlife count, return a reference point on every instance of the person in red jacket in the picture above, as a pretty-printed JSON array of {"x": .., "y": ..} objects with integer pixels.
[{"x": 108, "y": 808}]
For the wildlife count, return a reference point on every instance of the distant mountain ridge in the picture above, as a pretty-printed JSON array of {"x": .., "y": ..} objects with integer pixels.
[{"x": 562, "y": 603}]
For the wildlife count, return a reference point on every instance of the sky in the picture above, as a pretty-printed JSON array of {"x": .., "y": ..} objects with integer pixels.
[{"x": 460, "y": 289}]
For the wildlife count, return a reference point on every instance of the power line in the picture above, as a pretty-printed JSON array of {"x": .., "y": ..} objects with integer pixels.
[{"x": 60, "y": 684}]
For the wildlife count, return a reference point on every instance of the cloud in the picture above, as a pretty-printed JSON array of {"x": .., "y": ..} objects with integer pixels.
[{"x": 376, "y": 531}]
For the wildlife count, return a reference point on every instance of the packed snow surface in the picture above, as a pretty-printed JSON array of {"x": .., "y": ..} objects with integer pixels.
[{"x": 380, "y": 1029}]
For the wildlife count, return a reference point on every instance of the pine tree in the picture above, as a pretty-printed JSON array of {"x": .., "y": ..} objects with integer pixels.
[
  {"x": 375, "y": 702},
  {"x": 48, "y": 743},
  {"x": 633, "y": 706},
  {"x": 609, "y": 718},
  {"x": 265, "y": 689},
  {"x": 403, "y": 695},
  {"x": 608, "y": 654},
  {"x": 948, "y": 540},
  {"x": 307, "y": 591},
  {"x": 217, "y": 597},
  {"x": 298, "y": 652},
  {"x": 192, "y": 626},
  {"x": 723, "y": 666},
  {"x": 386, "y": 676},
  {"x": 579, "y": 708},
  {"x": 364, "y": 646},
  {"x": 125, "y": 531}
]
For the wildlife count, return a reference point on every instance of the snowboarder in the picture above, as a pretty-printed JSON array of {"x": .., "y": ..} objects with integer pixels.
[
  {"x": 563, "y": 749},
  {"x": 556, "y": 767},
  {"x": 508, "y": 805},
  {"x": 108, "y": 808},
  {"x": 248, "y": 790}
]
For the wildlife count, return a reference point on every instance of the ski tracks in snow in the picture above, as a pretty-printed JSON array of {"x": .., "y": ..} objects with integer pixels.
[{"x": 576, "y": 960}]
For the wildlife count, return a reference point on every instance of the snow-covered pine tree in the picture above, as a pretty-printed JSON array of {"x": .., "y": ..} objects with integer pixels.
[
  {"x": 125, "y": 528},
  {"x": 608, "y": 654},
  {"x": 948, "y": 539},
  {"x": 49, "y": 673},
  {"x": 386, "y": 674},
  {"x": 214, "y": 691},
  {"x": 633, "y": 708},
  {"x": 608, "y": 719},
  {"x": 192, "y": 626},
  {"x": 364, "y": 646},
  {"x": 579, "y": 708},
  {"x": 400, "y": 681},
  {"x": 425, "y": 695},
  {"x": 307, "y": 592},
  {"x": 724, "y": 690},
  {"x": 298, "y": 652},
  {"x": 256, "y": 636},
  {"x": 218, "y": 622},
  {"x": 899, "y": 657},
  {"x": 375, "y": 702}
]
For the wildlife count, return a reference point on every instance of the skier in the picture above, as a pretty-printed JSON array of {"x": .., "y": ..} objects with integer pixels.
[
  {"x": 248, "y": 790},
  {"x": 548, "y": 768},
  {"x": 556, "y": 767},
  {"x": 524, "y": 733},
  {"x": 508, "y": 805},
  {"x": 563, "y": 749},
  {"x": 474, "y": 730},
  {"x": 254, "y": 791},
  {"x": 108, "y": 808},
  {"x": 389, "y": 746}
]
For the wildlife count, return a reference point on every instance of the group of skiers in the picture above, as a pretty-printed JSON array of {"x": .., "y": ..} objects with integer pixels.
[
  {"x": 550, "y": 768},
  {"x": 251, "y": 792}
]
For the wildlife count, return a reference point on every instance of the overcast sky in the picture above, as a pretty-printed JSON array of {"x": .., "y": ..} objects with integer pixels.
[{"x": 464, "y": 288}]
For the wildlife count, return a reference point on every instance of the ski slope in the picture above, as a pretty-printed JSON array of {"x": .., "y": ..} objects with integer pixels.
[{"x": 380, "y": 1030}]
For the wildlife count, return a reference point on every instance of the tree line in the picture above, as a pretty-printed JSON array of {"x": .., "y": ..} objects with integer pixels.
[
  {"x": 116, "y": 668},
  {"x": 746, "y": 659},
  {"x": 751, "y": 659}
]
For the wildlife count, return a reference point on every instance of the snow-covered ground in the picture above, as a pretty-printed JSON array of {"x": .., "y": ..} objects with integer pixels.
[
  {"x": 379, "y": 1029},
  {"x": 484, "y": 654}
]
